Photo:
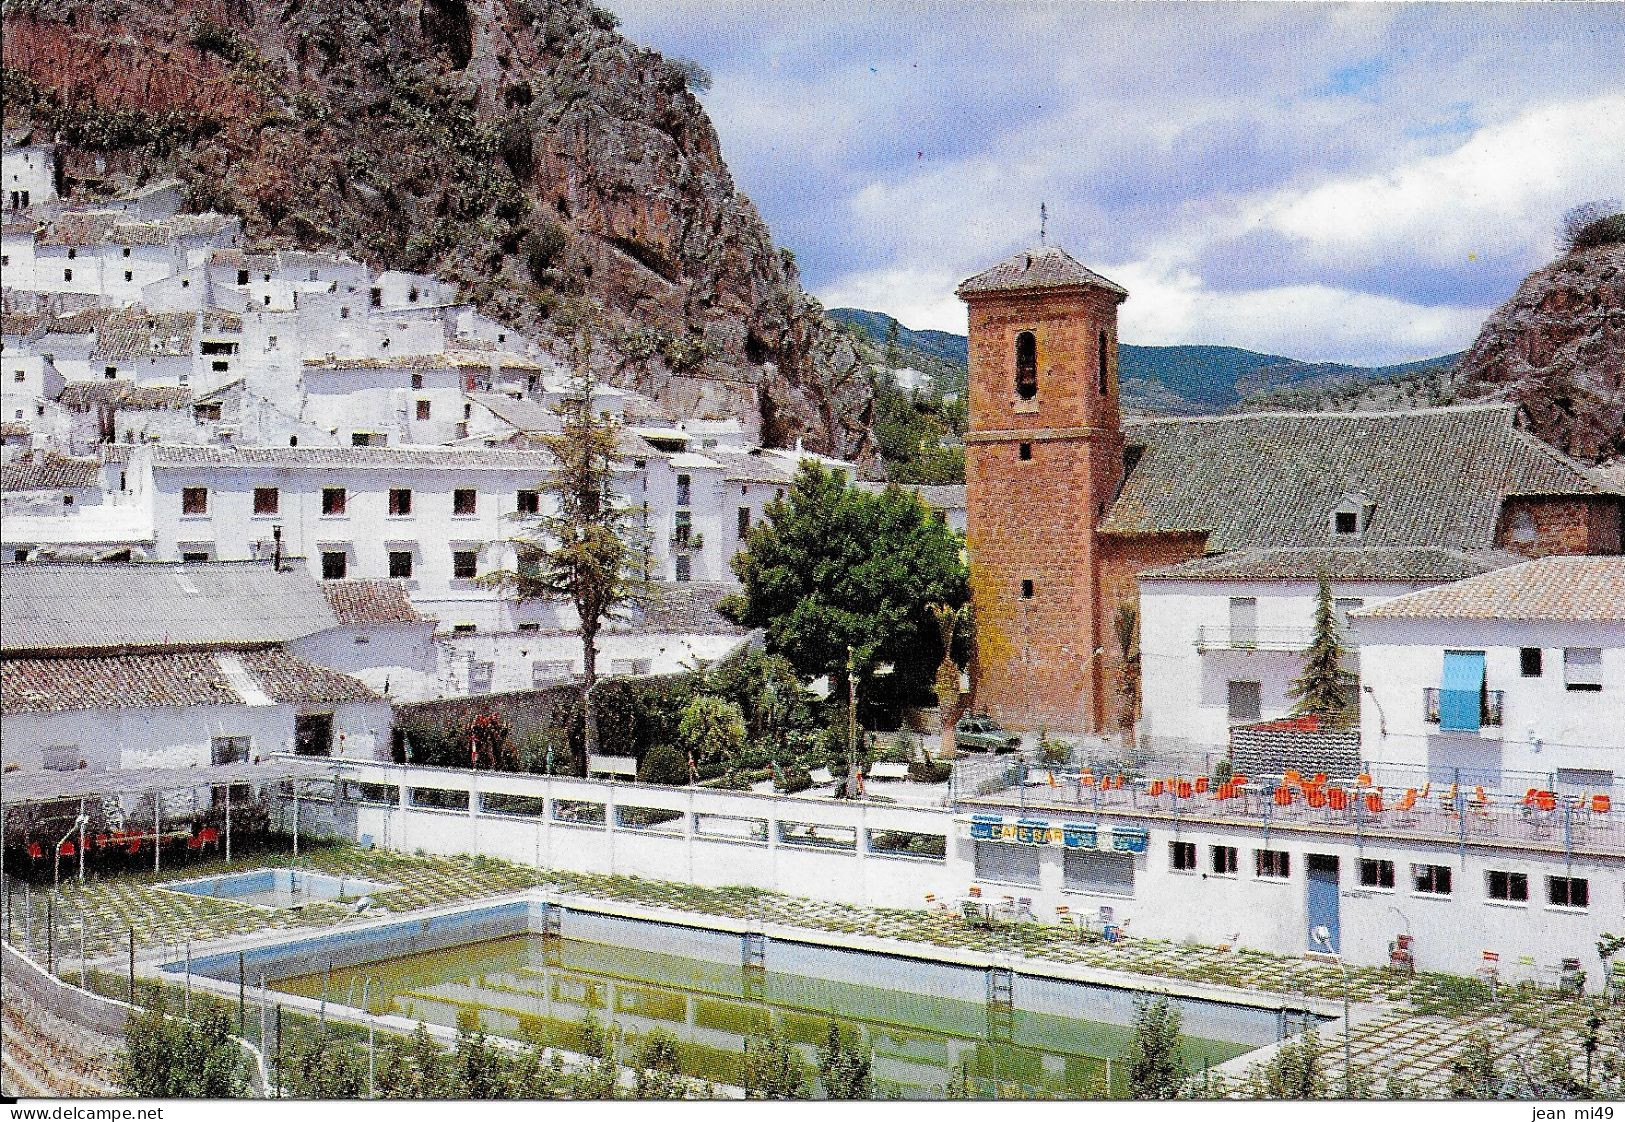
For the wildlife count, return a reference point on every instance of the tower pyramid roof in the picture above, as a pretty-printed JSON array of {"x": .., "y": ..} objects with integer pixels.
[{"x": 1044, "y": 267}]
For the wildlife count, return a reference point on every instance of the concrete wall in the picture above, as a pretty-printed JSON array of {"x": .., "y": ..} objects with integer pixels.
[{"x": 1544, "y": 726}]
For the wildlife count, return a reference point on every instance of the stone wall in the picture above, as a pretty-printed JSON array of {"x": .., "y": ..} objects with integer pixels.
[{"x": 1562, "y": 525}]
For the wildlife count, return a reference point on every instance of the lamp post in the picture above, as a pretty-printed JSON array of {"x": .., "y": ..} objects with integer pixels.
[
  {"x": 77, "y": 827},
  {"x": 1323, "y": 936}
]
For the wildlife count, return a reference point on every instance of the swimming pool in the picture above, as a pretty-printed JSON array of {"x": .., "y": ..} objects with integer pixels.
[{"x": 279, "y": 888}]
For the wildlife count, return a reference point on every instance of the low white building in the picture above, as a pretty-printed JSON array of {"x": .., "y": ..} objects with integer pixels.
[
  {"x": 111, "y": 667},
  {"x": 1515, "y": 673},
  {"x": 1223, "y": 637},
  {"x": 29, "y": 174}
]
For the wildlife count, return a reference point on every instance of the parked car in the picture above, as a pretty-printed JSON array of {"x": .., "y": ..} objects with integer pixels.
[{"x": 983, "y": 734}]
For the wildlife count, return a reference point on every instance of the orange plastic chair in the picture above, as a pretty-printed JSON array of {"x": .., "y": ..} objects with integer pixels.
[
  {"x": 1086, "y": 779},
  {"x": 1337, "y": 798},
  {"x": 1283, "y": 796},
  {"x": 1545, "y": 800},
  {"x": 1363, "y": 779},
  {"x": 1155, "y": 790},
  {"x": 1239, "y": 780},
  {"x": 1292, "y": 779},
  {"x": 1201, "y": 785},
  {"x": 1183, "y": 790},
  {"x": 975, "y": 892},
  {"x": 1426, "y": 787},
  {"x": 1601, "y": 804},
  {"x": 1315, "y": 797},
  {"x": 1373, "y": 802}
]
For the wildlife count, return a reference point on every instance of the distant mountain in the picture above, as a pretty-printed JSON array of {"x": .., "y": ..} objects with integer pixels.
[{"x": 1178, "y": 380}]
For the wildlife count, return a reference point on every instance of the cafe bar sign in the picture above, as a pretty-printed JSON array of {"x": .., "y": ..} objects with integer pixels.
[{"x": 1071, "y": 835}]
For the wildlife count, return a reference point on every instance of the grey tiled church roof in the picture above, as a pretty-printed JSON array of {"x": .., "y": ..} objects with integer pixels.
[
  {"x": 1434, "y": 477},
  {"x": 1045, "y": 267}
]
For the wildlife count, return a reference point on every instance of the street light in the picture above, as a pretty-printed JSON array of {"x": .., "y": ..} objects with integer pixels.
[
  {"x": 1322, "y": 935},
  {"x": 77, "y": 827}
]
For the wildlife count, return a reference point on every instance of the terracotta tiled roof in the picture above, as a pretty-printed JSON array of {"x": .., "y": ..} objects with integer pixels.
[
  {"x": 86, "y": 397},
  {"x": 138, "y": 333},
  {"x": 168, "y": 679},
  {"x": 19, "y": 323},
  {"x": 1435, "y": 477},
  {"x": 1045, "y": 267},
  {"x": 1563, "y": 589},
  {"x": 80, "y": 228},
  {"x": 82, "y": 322},
  {"x": 11, "y": 429},
  {"x": 370, "y": 601},
  {"x": 1339, "y": 563},
  {"x": 50, "y": 471}
]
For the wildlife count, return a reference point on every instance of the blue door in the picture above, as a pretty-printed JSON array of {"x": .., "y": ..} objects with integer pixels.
[{"x": 1323, "y": 906}]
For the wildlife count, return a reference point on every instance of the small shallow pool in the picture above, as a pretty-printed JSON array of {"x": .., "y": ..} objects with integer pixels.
[{"x": 279, "y": 888}]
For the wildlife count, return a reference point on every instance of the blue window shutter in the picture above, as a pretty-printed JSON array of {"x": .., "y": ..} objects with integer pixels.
[{"x": 1461, "y": 691}]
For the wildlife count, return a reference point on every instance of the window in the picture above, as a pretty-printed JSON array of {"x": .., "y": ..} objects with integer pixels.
[
  {"x": 19, "y": 376},
  {"x": 1523, "y": 528},
  {"x": 194, "y": 500},
  {"x": 220, "y": 366},
  {"x": 266, "y": 500},
  {"x": 242, "y": 276},
  {"x": 334, "y": 500},
  {"x": 67, "y": 274},
  {"x": 1529, "y": 662},
  {"x": 1346, "y": 523},
  {"x": 67, "y": 500},
  {"x": 1243, "y": 621},
  {"x": 682, "y": 528},
  {"x": 61, "y": 757},
  {"x": 230, "y": 750},
  {"x": 1103, "y": 380},
  {"x": 335, "y": 564},
  {"x": 110, "y": 372},
  {"x": 1568, "y": 892},
  {"x": 1376, "y": 873},
  {"x": 684, "y": 490},
  {"x": 400, "y": 500},
  {"x": 400, "y": 564},
  {"x": 1026, "y": 366},
  {"x": 198, "y": 557},
  {"x": 1582, "y": 668},
  {"x": 1222, "y": 859},
  {"x": 1272, "y": 864},
  {"x": 744, "y": 521},
  {"x": 465, "y": 564},
  {"x": 314, "y": 275},
  {"x": 1430, "y": 880},
  {"x": 1511, "y": 887},
  {"x": 464, "y": 501},
  {"x": 360, "y": 439},
  {"x": 424, "y": 408},
  {"x": 530, "y": 502},
  {"x": 72, "y": 253},
  {"x": 1182, "y": 856},
  {"x": 463, "y": 628},
  {"x": 126, "y": 251},
  {"x": 417, "y": 381},
  {"x": 376, "y": 295},
  {"x": 1024, "y": 451},
  {"x": 1007, "y": 864},
  {"x": 1244, "y": 700},
  {"x": 685, "y": 567},
  {"x": 128, "y": 276},
  {"x": 1027, "y": 590}
]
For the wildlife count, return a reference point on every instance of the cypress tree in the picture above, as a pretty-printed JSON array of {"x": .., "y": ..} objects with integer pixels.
[{"x": 1324, "y": 687}]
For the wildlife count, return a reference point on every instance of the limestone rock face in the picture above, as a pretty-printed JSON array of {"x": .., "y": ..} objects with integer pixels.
[
  {"x": 564, "y": 176},
  {"x": 1557, "y": 348}
]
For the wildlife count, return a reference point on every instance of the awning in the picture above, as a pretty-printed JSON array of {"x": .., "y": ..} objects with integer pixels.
[{"x": 1461, "y": 691}]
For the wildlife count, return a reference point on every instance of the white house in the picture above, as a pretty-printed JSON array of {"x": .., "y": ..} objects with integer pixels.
[
  {"x": 29, "y": 174},
  {"x": 1515, "y": 673},
  {"x": 1223, "y": 637},
  {"x": 186, "y": 666}
]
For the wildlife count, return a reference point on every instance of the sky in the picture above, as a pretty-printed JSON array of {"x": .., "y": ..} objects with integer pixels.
[{"x": 1334, "y": 182}]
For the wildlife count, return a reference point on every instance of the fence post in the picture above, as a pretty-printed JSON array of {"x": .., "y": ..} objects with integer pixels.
[
  {"x": 50, "y": 934},
  {"x": 242, "y": 991},
  {"x": 132, "y": 966}
]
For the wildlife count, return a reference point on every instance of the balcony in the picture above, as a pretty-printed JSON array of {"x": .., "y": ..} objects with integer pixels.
[
  {"x": 1253, "y": 639},
  {"x": 1489, "y": 707}
]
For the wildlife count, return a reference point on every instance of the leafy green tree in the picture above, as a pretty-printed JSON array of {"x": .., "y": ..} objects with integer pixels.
[
  {"x": 833, "y": 567},
  {"x": 663, "y": 763},
  {"x": 773, "y": 1069},
  {"x": 582, "y": 547},
  {"x": 843, "y": 1065},
  {"x": 711, "y": 728},
  {"x": 321, "y": 1066},
  {"x": 479, "y": 1069},
  {"x": 1325, "y": 688},
  {"x": 1156, "y": 1066},
  {"x": 1296, "y": 1071},
  {"x": 415, "y": 1068},
  {"x": 168, "y": 1057}
]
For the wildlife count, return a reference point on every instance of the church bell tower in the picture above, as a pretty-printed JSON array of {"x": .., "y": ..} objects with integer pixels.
[{"x": 1043, "y": 461}]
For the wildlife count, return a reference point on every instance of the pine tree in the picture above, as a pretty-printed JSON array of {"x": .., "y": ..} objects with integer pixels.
[
  {"x": 582, "y": 546},
  {"x": 1325, "y": 688}
]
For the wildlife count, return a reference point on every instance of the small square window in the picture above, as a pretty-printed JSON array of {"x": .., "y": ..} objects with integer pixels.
[
  {"x": 424, "y": 408},
  {"x": 335, "y": 564},
  {"x": 1223, "y": 858},
  {"x": 67, "y": 274},
  {"x": 1582, "y": 668},
  {"x": 1244, "y": 700},
  {"x": 242, "y": 276},
  {"x": 1025, "y": 451},
  {"x": 194, "y": 500},
  {"x": 1272, "y": 864},
  {"x": 1027, "y": 590},
  {"x": 126, "y": 251},
  {"x": 1376, "y": 873},
  {"x": 464, "y": 500},
  {"x": 1529, "y": 662},
  {"x": 530, "y": 502},
  {"x": 1500, "y": 884},
  {"x": 194, "y": 557},
  {"x": 266, "y": 500},
  {"x": 465, "y": 564},
  {"x": 110, "y": 372},
  {"x": 1346, "y": 523},
  {"x": 417, "y": 381},
  {"x": 334, "y": 500},
  {"x": 1568, "y": 892},
  {"x": 400, "y": 564},
  {"x": 1431, "y": 880},
  {"x": 400, "y": 500},
  {"x": 128, "y": 276},
  {"x": 463, "y": 629},
  {"x": 1182, "y": 856}
]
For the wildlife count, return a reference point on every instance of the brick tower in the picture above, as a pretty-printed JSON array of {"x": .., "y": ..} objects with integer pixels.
[{"x": 1043, "y": 461}]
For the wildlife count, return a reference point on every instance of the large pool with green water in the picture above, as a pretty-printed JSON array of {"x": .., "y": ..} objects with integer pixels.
[{"x": 922, "y": 1021}]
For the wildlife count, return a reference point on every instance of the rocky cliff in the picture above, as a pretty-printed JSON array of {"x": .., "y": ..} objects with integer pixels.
[
  {"x": 565, "y": 177},
  {"x": 1557, "y": 348}
]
